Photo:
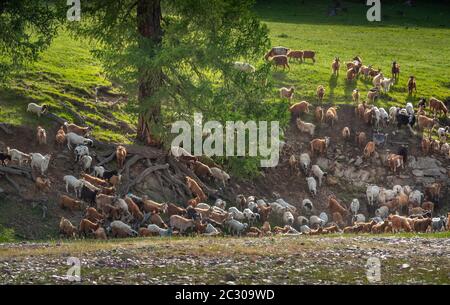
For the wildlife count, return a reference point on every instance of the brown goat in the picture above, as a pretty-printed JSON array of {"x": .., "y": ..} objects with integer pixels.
[
  {"x": 41, "y": 135},
  {"x": 121, "y": 155},
  {"x": 69, "y": 203}
]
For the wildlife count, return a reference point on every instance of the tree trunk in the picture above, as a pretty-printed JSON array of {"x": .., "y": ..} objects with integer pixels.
[{"x": 150, "y": 80}]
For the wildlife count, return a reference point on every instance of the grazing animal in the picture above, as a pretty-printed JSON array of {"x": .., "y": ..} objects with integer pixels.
[
  {"x": 298, "y": 55},
  {"x": 244, "y": 67},
  {"x": 318, "y": 173},
  {"x": 298, "y": 108},
  {"x": 94, "y": 180},
  {"x": 372, "y": 94},
  {"x": 80, "y": 151},
  {"x": 86, "y": 162},
  {"x": 43, "y": 184},
  {"x": 36, "y": 109},
  {"x": 320, "y": 92},
  {"x": 399, "y": 223},
  {"x": 41, "y": 135},
  {"x": 335, "y": 65},
  {"x": 235, "y": 226},
  {"x": 335, "y": 206},
  {"x": 355, "y": 95},
  {"x": 438, "y": 224},
  {"x": 377, "y": 80},
  {"x": 121, "y": 229},
  {"x": 181, "y": 223},
  {"x": 287, "y": 93},
  {"x": 421, "y": 225},
  {"x": 412, "y": 85},
  {"x": 73, "y": 182},
  {"x": 65, "y": 202},
  {"x": 437, "y": 106},
  {"x": 39, "y": 161},
  {"x": 87, "y": 227},
  {"x": 369, "y": 149},
  {"x": 432, "y": 191},
  {"x": 87, "y": 194},
  {"x": 312, "y": 185},
  {"x": 319, "y": 145},
  {"x": 305, "y": 162},
  {"x": 310, "y": 55},
  {"x": 93, "y": 215},
  {"x": 426, "y": 122},
  {"x": 73, "y": 138},
  {"x": 17, "y": 155},
  {"x": 100, "y": 234},
  {"x": 293, "y": 164},
  {"x": 372, "y": 193},
  {"x": 386, "y": 84},
  {"x": 306, "y": 127},
  {"x": 276, "y": 51},
  {"x": 81, "y": 131},
  {"x": 280, "y": 60},
  {"x": 395, "y": 70},
  {"x": 60, "y": 137},
  {"x": 318, "y": 114},
  {"x": 354, "y": 206},
  {"x": 121, "y": 154},
  {"x": 361, "y": 139},
  {"x": 346, "y": 133},
  {"x": 220, "y": 175},
  {"x": 67, "y": 228},
  {"x": 395, "y": 162},
  {"x": 331, "y": 115}
]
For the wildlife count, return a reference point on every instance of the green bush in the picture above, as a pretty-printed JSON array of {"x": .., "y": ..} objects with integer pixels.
[{"x": 6, "y": 235}]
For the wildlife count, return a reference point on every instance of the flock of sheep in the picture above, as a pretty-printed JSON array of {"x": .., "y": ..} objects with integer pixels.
[{"x": 107, "y": 214}]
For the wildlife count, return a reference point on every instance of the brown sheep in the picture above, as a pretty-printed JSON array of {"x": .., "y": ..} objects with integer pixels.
[
  {"x": 346, "y": 133},
  {"x": 121, "y": 155},
  {"x": 310, "y": 55},
  {"x": 202, "y": 170},
  {"x": 421, "y": 225},
  {"x": 399, "y": 223},
  {"x": 195, "y": 188},
  {"x": 173, "y": 209},
  {"x": 69, "y": 203},
  {"x": 426, "y": 122},
  {"x": 412, "y": 84},
  {"x": 134, "y": 209},
  {"x": 320, "y": 93},
  {"x": 43, "y": 184},
  {"x": 41, "y": 135},
  {"x": 87, "y": 227},
  {"x": 93, "y": 215},
  {"x": 319, "y": 145},
  {"x": 94, "y": 180},
  {"x": 100, "y": 233},
  {"x": 298, "y": 108},
  {"x": 67, "y": 228},
  {"x": 280, "y": 60},
  {"x": 361, "y": 139},
  {"x": 369, "y": 149},
  {"x": 60, "y": 137},
  {"x": 335, "y": 206},
  {"x": 437, "y": 106},
  {"x": 335, "y": 65},
  {"x": 318, "y": 114},
  {"x": 295, "y": 55}
]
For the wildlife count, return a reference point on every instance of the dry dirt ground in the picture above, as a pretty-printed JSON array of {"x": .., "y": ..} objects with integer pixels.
[{"x": 278, "y": 260}]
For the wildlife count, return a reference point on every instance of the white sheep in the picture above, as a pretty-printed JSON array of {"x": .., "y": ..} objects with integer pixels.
[
  {"x": 372, "y": 193},
  {"x": 386, "y": 195},
  {"x": 397, "y": 189},
  {"x": 302, "y": 220},
  {"x": 250, "y": 216},
  {"x": 162, "y": 232},
  {"x": 384, "y": 116},
  {"x": 73, "y": 182},
  {"x": 99, "y": 171},
  {"x": 39, "y": 161},
  {"x": 354, "y": 206},
  {"x": 220, "y": 203},
  {"x": 386, "y": 84},
  {"x": 277, "y": 208},
  {"x": 211, "y": 230},
  {"x": 305, "y": 229},
  {"x": 220, "y": 175},
  {"x": 393, "y": 114},
  {"x": 315, "y": 220},
  {"x": 118, "y": 226},
  {"x": 122, "y": 205},
  {"x": 416, "y": 197},
  {"x": 235, "y": 226},
  {"x": 359, "y": 218},
  {"x": 307, "y": 206},
  {"x": 236, "y": 214},
  {"x": 73, "y": 138},
  {"x": 407, "y": 189},
  {"x": 382, "y": 212},
  {"x": 252, "y": 205},
  {"x": 283, "y": 203},
  {"x": 35, "y": 108},
  {"x": 409, "y": 108},
  {"x": 17, "y": 155},
  {"x": 324, "y": 218},
  {"x": 80, "y": 151},
  {"x": 318, "y": 173},
  {"x": 260, "y": 202},
  {"x": 312, "y": 185},
  {"x": 288, "y": 218},
  {"x": 86, "y": 161},
  {"x": 305, "y": 162},
  {"x": 244, "y": 67}
]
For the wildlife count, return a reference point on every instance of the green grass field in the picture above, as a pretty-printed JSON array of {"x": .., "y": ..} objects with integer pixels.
[
  {"x": 417, "y": 38},
  {"x": 418, "y": 41}
]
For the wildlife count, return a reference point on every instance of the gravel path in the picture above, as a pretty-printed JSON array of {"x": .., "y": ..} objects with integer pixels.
[{"x": 279, "y": 260}]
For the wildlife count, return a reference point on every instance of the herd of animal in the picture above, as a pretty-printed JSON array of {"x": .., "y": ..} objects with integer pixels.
[{"x": 105, "y": 213}]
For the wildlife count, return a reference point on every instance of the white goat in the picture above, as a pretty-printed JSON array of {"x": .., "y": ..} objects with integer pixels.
[
  {"x": 73, "y": 138},
  {"x": 312, "y": 185},
  {"x": 86, "y": 161},
  {"x": 244, "y": 67},
  {"x": 288, "y": 218},
  {"x": 220, "y": 175},
  {"x": 17, "y": 155},
  {"x": 386, "y": 84},
  {"x": 73, "y": 182},
  {"x": 372, "y": 193},
  {"x": 99, "y": 171},
  {"x": 236, "y": 226},
  {"x": 305, "y": 162},
  {"x": 317, "y": 172},
  {"x": 39, "y": 161},
  {"x": 354, "y": 206},
  {"x": 235, "y": 213},
  {"x": 35, "y": 108},
  {"x": 80, "y": 151}
]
